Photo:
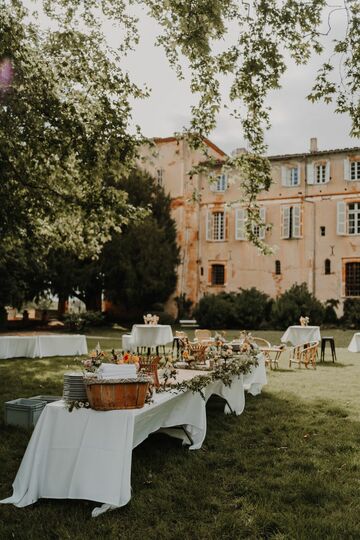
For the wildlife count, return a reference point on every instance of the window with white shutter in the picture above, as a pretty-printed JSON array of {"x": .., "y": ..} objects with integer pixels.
[
  {"x": 296, "y": 221},
  {"x": 310, "y": 173},
  {"x": 285, "y": 222},
  {"x": 240, "y": 225},
  {"x": 219, "y": 184},
  {"x": 341, "y": 218},
  {"x": 290, "y": 176},
  {"x": 215, "y": 226},
  {"x": 355, "y": 170},
  {"x": 353, "y": 221},
  {"x": 291, "y": 221},
  {"x": 259, "y": 230}
]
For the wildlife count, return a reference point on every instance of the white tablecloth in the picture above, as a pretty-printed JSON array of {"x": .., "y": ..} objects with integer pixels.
[
  {"x": 86, "y": 454},
  {"x": 256, "y": 378},
  {"x": 354, "y": 345},
  {"x": 40, "y": 346},
  {"x": 147, "y": 335},
  {"x": 299, "y": 335}
]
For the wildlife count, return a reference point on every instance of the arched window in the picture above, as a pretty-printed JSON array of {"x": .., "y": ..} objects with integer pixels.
[
  {"x": 327, "y": 266},
  {"x": 277, "y": 268}
]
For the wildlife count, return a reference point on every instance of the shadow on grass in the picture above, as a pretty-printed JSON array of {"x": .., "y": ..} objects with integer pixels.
[
  {"x": 283, "y": 469},
  {"x": 330, "y": 364}
]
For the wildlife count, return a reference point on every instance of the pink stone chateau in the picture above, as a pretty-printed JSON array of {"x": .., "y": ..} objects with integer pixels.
[{"x": 313, "y": 207}]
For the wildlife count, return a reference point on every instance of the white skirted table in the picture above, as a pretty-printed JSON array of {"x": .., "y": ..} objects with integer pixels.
[
  {"x": 300, "y": 335},
  {"x": 147, "y": 335},
  {"x": 87, "y": 454},
  {"x": 256, "y": 378},
  {"x": 42, "y": 345},
  {"x": 354, "y": 345}
]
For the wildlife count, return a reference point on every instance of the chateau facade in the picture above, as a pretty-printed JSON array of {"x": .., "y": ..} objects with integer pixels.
[{"x": 311, "y": 214}]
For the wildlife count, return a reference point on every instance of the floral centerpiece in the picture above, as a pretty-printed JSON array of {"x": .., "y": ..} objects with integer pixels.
[
  {"x": 304, "y": 321},
  {"x": 151, "y": 319}
]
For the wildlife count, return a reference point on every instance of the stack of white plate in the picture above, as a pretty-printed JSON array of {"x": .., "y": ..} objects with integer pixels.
[{"x": 74, "y": 388}]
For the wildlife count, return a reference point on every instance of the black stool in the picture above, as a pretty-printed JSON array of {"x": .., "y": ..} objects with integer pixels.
[{"x": 332, "y": 347}]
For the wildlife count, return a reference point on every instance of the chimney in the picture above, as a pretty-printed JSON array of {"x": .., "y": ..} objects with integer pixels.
[
  {"x": 313, "y": 145},
  {"x": 238, "y": 152}
]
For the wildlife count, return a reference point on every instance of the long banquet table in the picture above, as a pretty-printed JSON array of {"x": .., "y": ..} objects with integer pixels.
[
  {"x": 86, "y": 454},
  {"x": 42, "y": 345}
]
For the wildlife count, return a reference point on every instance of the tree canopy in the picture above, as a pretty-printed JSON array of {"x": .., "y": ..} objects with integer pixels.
[
  {"x": 136, "y": 268},
  {"x": 65, "y": 103}
]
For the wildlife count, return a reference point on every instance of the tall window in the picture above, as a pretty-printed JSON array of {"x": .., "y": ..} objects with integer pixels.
[
  {"x": 352, "y": 279},
  {"x": 221, "y": 183},
  {"x": 354, "y": 218},
  {"x": 159, "y": 176},
  {"x": 327, "y": 266},
  {"x": 294, "y": 176},
  {"x": 290, "y": 176},
  {"x": 320, "y": 173},
  {"x": 278, "y": 268},
  {"x": 291, "y": 221},
  {"x": 355, "y": 170},
  {"x": 215, "y": 229},
  {"x": 217, "y": 274},
  {"x": 241, "y": 216}
]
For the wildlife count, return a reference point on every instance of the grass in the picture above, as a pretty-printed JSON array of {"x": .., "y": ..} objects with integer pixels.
[{"x": 287, "y": 468}]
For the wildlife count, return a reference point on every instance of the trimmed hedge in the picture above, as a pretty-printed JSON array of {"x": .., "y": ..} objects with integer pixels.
[{"x": 251, "y": 309}]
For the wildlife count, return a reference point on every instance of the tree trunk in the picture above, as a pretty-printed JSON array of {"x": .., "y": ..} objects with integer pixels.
[
  {"x": 93, "y": 300},
  {"x": 63, "y": 304},
  {"x": 3, "y": 317}
]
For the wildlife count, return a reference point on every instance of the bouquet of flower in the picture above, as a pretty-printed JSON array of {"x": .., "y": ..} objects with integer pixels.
[
  {"x": 304, "y": 321},
  {"x": 93, "y": 363},
  {"x": 151, "y": 319}
]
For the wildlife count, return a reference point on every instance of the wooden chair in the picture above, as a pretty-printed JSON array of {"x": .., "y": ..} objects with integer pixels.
[
  {"x": 179, "y": 341},
  {"x": 197, "y": 351},
  {"x": 272, "y": 353},
  {"x": 304, "y": 354},
  {"x": 203, "y": 336},
  {"x": 149, "y": 365}
]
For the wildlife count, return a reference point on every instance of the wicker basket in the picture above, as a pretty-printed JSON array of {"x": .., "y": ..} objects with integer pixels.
[{"x": 106, "y": 395}]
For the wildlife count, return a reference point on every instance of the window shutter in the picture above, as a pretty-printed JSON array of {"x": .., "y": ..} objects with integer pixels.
[
  {"x": 284, "y": 176},
  {"x": 310, "y": 173},
  {"x": 327, "y": 171},
  {"x": 263, "y": 219},
  {"x": 347, "y": 169},
  {"x": 285, "y": 222},
  {"x": 341, "y": 218},
  {"x": 298, "y": 172},
  {"x": 225, "y": 181},
  {"x": 209, "y": 225},
  {"x": 240, "y": 230},
  {"x": 296, "y": 221}
]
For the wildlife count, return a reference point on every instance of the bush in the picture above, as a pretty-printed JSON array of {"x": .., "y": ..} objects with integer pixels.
[
  {"x": 330, "y": 316},
  {"x": 296, "y": 302},
  {"x": 252, "y": 308},
  {"x": 351, "y": 317},
  {"x": 79, "y": 322},
  {"x": 184, "y": 306},
  {"x": 216, "y": 311},
  {"x": 164, "y": 317}
]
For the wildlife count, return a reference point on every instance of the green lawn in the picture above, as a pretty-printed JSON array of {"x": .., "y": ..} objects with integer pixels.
[{"x": 287, "y": 468}]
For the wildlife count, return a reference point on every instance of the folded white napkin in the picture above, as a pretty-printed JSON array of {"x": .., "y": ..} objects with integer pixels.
[{"x": 113, "y": 371}]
